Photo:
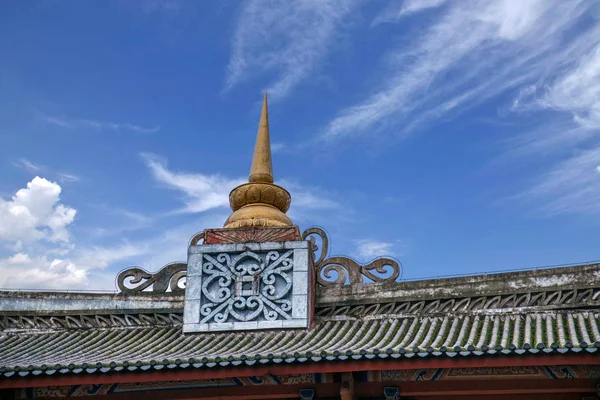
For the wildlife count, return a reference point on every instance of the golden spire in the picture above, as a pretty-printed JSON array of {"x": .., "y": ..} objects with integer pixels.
[
  {"x": 262, "y": 166},
  {"x": 260, "y": 202}
]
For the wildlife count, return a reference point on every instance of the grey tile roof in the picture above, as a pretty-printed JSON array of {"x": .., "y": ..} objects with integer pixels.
[{"x": 139, "y": 345}]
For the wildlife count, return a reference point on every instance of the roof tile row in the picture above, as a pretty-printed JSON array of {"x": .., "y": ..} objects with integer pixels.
[{"x": 94, "y": 350}]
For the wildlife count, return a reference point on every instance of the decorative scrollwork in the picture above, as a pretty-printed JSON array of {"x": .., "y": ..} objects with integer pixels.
[
  {"x": 246, "y": 287},
  {"x": 196, "y": 238},
  {"x": 540, "y": 301},
  {"x": 346, "y": 269},
  {"x": 56, "y": 322},
  {"x": 310, "y": 234},
  {"x": 168, "y": 279}
]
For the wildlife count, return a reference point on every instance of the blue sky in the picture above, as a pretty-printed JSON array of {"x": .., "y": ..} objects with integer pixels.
[{"x": 458, "y": 137}]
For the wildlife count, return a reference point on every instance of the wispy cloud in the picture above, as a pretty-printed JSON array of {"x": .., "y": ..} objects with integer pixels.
[
  {"x": 474, "y": 50},
  {"x": 126, "y": 221},
  {"x": 37, "y": 169},
  {"x": 576, "y": 92},
  {"x": 279, "y": 148},
  {"x": 288, "y": 38},
  {"x": 100, "y": 257},
  {"x": 27, "y": 165},
  {"x": 200, "y": 192},
  {"x": 308, "y": 197},
  {"x": 83, "y": 124},
  {"x": 203, "y": 192},
  {"x": 570, "y": 134},
  {"x": 399, "y": 9},
  {"x": 544, "y": 52},
  {"x": 570, "y": 187},
  {"x": 63, "y": 177}
]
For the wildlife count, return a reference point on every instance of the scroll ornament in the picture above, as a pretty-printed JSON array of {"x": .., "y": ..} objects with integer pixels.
[
  {"x": 347, "y": 271},
  {"x": 336, "y": 270}
]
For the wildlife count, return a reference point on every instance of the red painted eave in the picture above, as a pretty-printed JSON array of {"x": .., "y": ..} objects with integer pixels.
[{"x": 299, "y": 368}]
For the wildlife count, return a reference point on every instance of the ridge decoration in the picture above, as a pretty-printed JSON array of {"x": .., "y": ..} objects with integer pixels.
[
  {"x": 345, "y": 269},
  {"x": 336, "y": 270},
  {"x": 171, "y": 278}
]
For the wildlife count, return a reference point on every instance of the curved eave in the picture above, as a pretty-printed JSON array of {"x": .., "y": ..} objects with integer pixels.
[
  {"x": 178, "y": 364},
  {"x": 406, "y": 338}
]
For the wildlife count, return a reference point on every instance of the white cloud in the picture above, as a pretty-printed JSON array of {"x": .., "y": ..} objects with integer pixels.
[
  {"x": 201, "y": 192},
  {"x": 20, "y": 271},
  {"x": 89, "y": 124},
  {"x": 369, "y": 249},
  {"x": 19, "y": 258},
  {"x": 73, "y": 268},
  {"x": 289, "y": 38},
  {"x": 34, "y": 226},
  {"x": 472, "y": 51},
  {"x": 35, "y": 213}
]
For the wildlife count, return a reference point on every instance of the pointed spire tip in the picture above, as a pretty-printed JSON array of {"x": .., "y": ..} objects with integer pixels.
[{"x": 262, "y": 165}]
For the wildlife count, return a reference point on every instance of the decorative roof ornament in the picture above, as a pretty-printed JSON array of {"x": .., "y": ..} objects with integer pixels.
[
  {"x": 260, "y": 202},
  {"x": 260, "y": 237},
  {"x": 345, "y": 270}
]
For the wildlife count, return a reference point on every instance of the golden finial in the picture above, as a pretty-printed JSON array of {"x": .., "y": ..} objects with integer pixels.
[
  {"x": 262, "y": 166},
  {"x": 260, "y": 202}
]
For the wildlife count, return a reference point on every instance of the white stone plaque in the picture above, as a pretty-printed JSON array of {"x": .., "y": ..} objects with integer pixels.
[{"x": 247, "y": 286}]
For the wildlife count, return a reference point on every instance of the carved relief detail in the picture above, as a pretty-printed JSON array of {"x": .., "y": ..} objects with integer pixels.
[
  {"x": 344, "y": 270},
  {"x": 260, "y": 193},
  {"x": 246, "y": 287}
]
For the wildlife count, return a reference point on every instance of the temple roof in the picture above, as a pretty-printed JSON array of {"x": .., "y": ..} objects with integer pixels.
[
  {"x": 559, "y": 314},
  {"x": 260, "y": 292},
  {"x": 146, "y": 342}
]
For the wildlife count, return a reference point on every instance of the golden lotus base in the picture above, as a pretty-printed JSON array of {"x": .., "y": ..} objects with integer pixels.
[{"x": 257, "y": 215}]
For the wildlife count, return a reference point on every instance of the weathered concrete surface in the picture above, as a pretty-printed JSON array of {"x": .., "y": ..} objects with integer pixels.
[
  {"x": 580, "y": 277},
  {"x": 40, "y": 303},
  {"x": 583, "y": 276}
]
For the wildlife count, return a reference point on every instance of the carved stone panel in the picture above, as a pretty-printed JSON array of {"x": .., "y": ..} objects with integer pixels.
[{"x": 247, "y": 286}]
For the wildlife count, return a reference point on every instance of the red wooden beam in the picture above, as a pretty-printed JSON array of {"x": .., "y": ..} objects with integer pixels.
[
  {"x": 266, "y": 392},
  {"x": 557, "y": 396},
  {"x": 479, "y": 387},
  {"x": 300, "y": 368},
  {"x": 463, "y": 388}
]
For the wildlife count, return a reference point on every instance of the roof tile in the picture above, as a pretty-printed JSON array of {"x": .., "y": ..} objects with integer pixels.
[{"x": 93, "y": 350}]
